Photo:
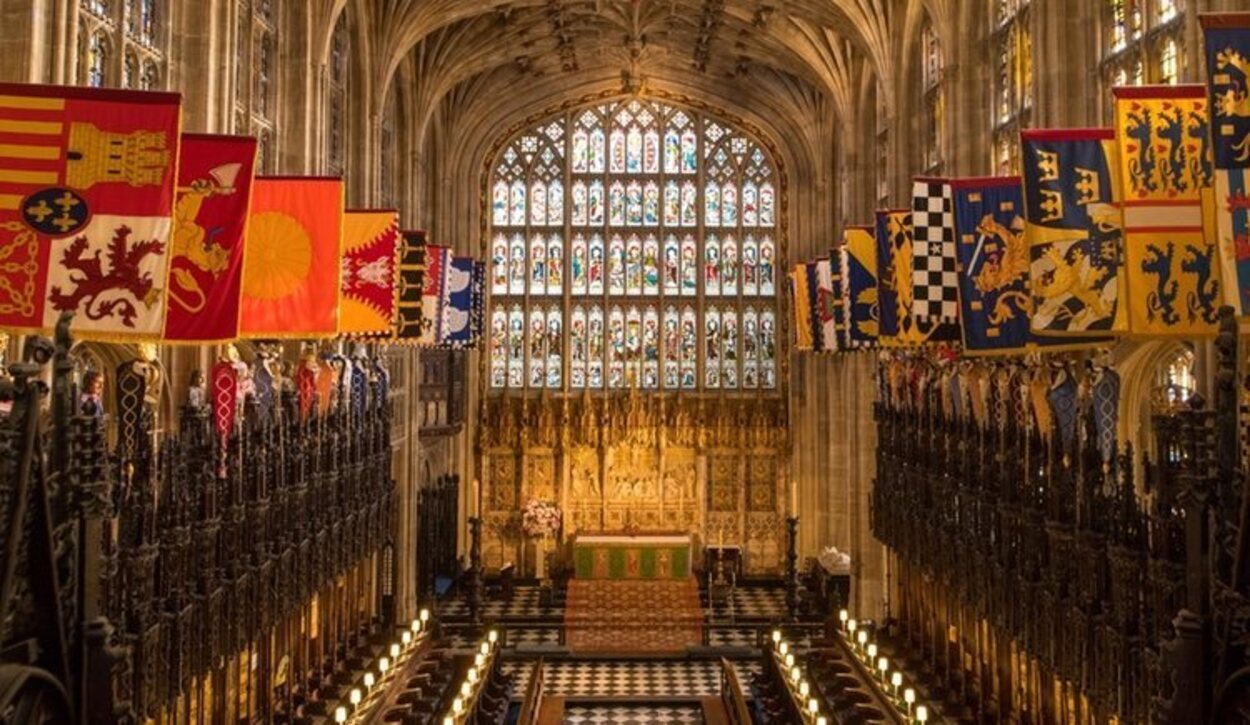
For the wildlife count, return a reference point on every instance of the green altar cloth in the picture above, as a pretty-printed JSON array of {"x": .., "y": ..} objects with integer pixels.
[{"x": 631, "y": 557}]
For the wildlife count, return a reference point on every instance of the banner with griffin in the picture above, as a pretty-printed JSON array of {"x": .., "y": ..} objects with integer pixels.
[
  {"x": 292, "y": 259},
  {"x": 1165, "y": 166},
  {"x": 898, "y": 327},
  {"x": 410, "y": 287},
  {"x": 210, "y": 217},
  {"x": 86, "y": 197},
  {"x": 859, "y": 275},
  {"x": 1228, "y": 83},
  {"x": 994, "y": 298},
  {"x": 368, "y": 295},
  {"x": 1073, "y": 227}
]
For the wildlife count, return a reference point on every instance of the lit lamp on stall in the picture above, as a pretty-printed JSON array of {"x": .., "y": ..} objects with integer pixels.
[
  {"x": 405, "y": 637},
  {"x": 909, "y": 697},
  {"x": 862, "y": 638},
  {"x": 492, "y": 637},
  {"x": 922, "y": 713},
  {"x": 395, "y": 651},
  {"x": 896, "y": 679},
  {"x": 776, "y": 638},
  {"x": 872, "y": 653},
  {"x": 784, "y": 649},
  {"x": 844, "y": 618},
  {"x": 340, "y": 714},
  {"x": 851, "y": 626},
  {"x": 457, "y": 706},
  {"x": 384, "y": 664},
  {"x": 479, "y": 659},
  {"x": 795, "y": 674},
  {"x": 369, "y": 680},
  {"x": 465, "y": 690},
  {"x": 813, "y": 707},
  {"x": 883, "y": 666},
  {"x": 354, "y": 696},
  {"x": 804, "y": 689},
  {"x": 472, "y": 675},
  {"x": 485, "y": 648},
  {"x": 790, "y": 660},
  {"x": 415, "y": 627},
  {"x": 820, "y": 720},
  {"x": 448, "y": 721},
  {"x": 424, "y": 616}
]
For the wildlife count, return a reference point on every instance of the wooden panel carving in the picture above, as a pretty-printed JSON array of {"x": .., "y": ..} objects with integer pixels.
[
  {"x": 723, "y": 482},
  {"x": 762, "y": 482}
]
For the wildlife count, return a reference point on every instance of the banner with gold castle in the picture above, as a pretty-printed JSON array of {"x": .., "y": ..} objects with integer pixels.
[
  {"x": 86, "y": 197},
  {"x": 291, "y": 268},
  {"x": 1074, "y": 231},
  {"x": 210, "y": 218},
  {"x": 1165, "y": 169},
  {"x": 1228, "y": 84}
]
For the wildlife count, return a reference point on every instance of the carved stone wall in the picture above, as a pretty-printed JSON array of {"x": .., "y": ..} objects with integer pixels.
[{"x": 714, "y": 468}]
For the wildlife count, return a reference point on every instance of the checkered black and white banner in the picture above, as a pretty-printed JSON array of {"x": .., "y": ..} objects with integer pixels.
[{"x": 935, "y": 275}]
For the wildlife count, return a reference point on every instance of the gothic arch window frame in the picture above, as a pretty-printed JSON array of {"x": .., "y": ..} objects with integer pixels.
[
  {"x": 338, "y": 74},
  {"x": 257, "y": 43},
  {"x": 933, "y": 89},
  {"x": 1013, "y": 80},
  {"x": 648, "y": 228},
  {"x": 1135, "y": 41},
  {"x": 134, "y": 50}
]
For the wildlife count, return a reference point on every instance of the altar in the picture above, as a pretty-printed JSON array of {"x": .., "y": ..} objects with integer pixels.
[{"x": 631, "y": 556}]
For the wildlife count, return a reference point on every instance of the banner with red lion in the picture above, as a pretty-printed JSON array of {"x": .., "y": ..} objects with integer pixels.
[
  {"x": 210, "y": 216},
  {"x": 86, "y": 196}
]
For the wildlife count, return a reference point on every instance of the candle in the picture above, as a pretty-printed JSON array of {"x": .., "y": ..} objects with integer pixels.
[
  {"x": 794, "y": 498},
  {"x": 474, "y": 497}
]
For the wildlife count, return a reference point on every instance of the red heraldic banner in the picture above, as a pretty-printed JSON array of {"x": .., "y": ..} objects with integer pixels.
[
  {"x": 292, "y": 258},
  {"x": 86, "y": 193},
  {"x": 210, "y": 216},
  {"x": 369, "y": 245}
]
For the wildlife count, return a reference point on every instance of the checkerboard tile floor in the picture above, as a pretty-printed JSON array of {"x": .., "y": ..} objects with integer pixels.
[
  {"x": 631, "y": 715},
  {"x": 629, "y": 679},
  {"x": 524, "y": 603},
  {"x": 751, "y": 602}
]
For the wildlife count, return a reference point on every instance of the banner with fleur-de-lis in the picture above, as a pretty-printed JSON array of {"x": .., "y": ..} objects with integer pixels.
[
  {"x": 1165, "y": 171},
  {"x": 1228, "y": 85}
]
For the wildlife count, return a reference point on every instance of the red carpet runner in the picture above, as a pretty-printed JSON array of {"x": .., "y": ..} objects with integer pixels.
[{"x": 633, "y": 616}]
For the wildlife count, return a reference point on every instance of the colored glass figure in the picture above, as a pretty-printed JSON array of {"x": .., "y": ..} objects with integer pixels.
[
  {"x": 633, "y": 265},
  {"x": 689, "y": 204},
  {"x": 516, "y": 211},
  {"x": 766, "y": 205},
  {"x": 711, "y": 348},
  {"x": 633, "y": 347},
  {"x": 651, "y": 204},
  {"x": 651, "y": 152},
  {"x": 579, "y": 265},
  {"x": 616, "y": 266},
  {"x": 711, "y": 205},
  {"x": 581, "y": 215},
  {"x": 595, "y": 270},
  {"x": 750, "y": 349},
  {"x": 633, "y": 204},
  {"x": 555, "y": 348},
  {"x": 711, "y": 266},
  {"x": 596, "y": 151},
  {"x": 672, "y": 204},
  {"x": 516, "y": 348},
  {"x": 516, "y": 266},
  {"x": 538, "y": 204},
  {"x": 555, "y": 265},
  {"x": 616, "y": 204},
  {"x": 498, "y": 349},
  {"x": 581, "y": 151},
  {"x": 594, "y": 348},
  {"x": 616, "y": 151},
  {"x": 689, "y": 267},
  {"x": 750, "y": 204},
  {"x": 538, "y": 266},
  {"x": 651, "y": 265},
  {"x": 672, "y": 348},
  {"x": 750, "y": 262},
  {"x": 577, "y": 348},
  {"x": 729, "y": 267},
  {"x": 633, "y": 150},
  {"x": 499, "y": 265},
  {"x": 537, "y": 344},
  {"x": 728, "y": 204},
  {"x": 672, "y": 152},
  {"x": 555, "y": 203},
  {"x": 616, "y": 348},
  {"x": 767, "y": 267},
  {"x": 689, "y": 152},
  {"x": 596, "y": 203},
  {"x": 672, "y": 266},
  {"x": 689, "y": 349},
  {"x": 768, "y": 350},
  {"x": 499, "y": 204},
  {"x": 729, "y": 349},
  {"x": 650, "y": 349}
]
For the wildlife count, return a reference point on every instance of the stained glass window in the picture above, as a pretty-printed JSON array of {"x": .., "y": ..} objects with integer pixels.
[
  {"x": 336, "y": 134},
  {"x": 256, "y": 44},
  {"x": 934, "y": 99},
  {"x": 1012, "y": 43},
  {"x": 632, "y": 246},
  {"x": 1141, "y": 44},
  {"x": 120, "y": 43}
]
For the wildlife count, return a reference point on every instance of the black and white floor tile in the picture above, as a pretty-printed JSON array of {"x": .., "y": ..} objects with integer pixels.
[
  {"x": 631, "y": 714},
  {"x": 752, "y": 602},
  {"x": 524, "y": 603},
  {"x": 632, "y": 678}
]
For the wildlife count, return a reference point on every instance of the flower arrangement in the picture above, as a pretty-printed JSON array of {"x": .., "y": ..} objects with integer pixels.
[{"x": 540, "y": 518}]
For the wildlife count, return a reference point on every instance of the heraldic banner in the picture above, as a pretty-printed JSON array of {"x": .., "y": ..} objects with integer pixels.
[
  {"x": 827, "y": 303},
  {"x": 291, "y": 266},
  {"x": 457, "y": 303},
  {"x": 1228, "y": 82},
  {"x": 802, "y": 284},
  {"x": 994, "y": 264},
  {"x": 86, "y": 195},
  {"x": 367, "y": 305},
  {"x": 898, "y": 326},
  {"x": 436, "y": 258},
  {"x": 859, "y": 275},
  {"x": 210, "y": 217},
  {"x": 1073, "y": 226},
  {"x": 1165, "y": 166},
  {"x": 410, "y": 286}
]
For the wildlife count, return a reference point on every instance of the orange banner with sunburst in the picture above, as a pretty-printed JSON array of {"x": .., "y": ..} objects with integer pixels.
[{"x": 292, "y": 258}]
